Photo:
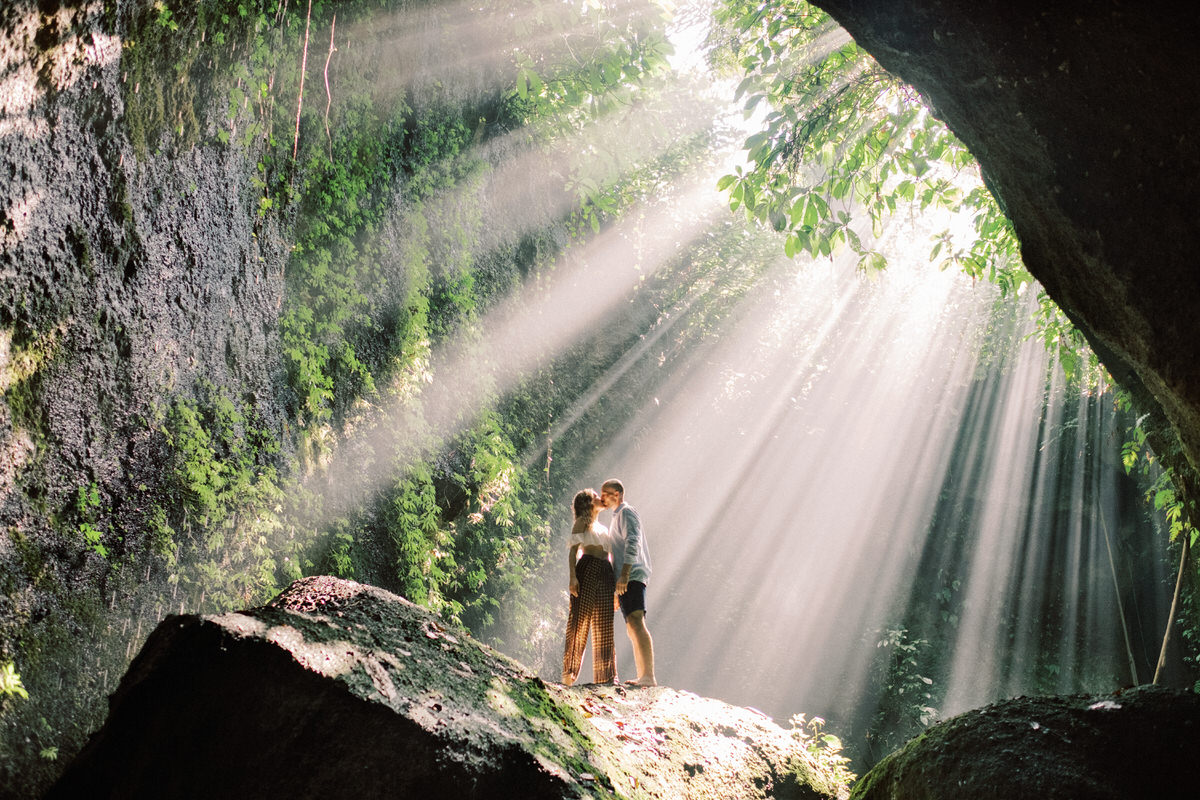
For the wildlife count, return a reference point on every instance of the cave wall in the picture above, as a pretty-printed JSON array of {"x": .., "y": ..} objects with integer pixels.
[
  {"x": 137, "y": 270},
  {"x": 129, "y": 277},
  {"x": 1083, "y": 119}
]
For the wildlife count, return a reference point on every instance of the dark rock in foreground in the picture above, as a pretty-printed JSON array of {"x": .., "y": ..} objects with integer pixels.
[
  {"x": 337, "y": 689},
  {"x": 1141, "y": 743}
]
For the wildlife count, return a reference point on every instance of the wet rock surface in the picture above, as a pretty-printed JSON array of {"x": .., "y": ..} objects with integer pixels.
[
  {"x": 1140, "y": 743},
  {"x": 128, "y": 280},
  {"x": 338, "y": 689}
]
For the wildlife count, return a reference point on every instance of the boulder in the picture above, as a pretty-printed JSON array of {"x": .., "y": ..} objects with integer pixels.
[
  {"x": 1140, "y": 743},
  {"x": 339, "y": 689}
]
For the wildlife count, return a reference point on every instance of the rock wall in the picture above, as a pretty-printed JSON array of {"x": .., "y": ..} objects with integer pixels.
[
  {"x": 1080, "y": 119},
  {"x": 129, "y": 278}
]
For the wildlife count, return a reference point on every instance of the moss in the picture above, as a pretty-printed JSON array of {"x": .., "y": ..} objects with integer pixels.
[
  {"x": 177, "y": 57},
  {"x": 159, "y": 91},
  {"x": 536, "y": 704}
]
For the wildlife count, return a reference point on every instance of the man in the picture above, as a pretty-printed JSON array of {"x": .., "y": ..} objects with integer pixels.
[{"x": 631, "y": 564}]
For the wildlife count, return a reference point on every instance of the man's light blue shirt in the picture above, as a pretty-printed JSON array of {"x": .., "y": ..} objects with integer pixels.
[{"x": 629, "y": 545}]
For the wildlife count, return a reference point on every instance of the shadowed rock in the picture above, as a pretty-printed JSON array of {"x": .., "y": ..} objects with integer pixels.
[
  {"x": 1074, "y": 112},
  {"x": 1141, "y": 743},
  {"x": 338, "y": 689}
]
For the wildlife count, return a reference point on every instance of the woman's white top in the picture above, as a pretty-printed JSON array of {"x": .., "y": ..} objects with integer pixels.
[{"x": 597, "y": 535}]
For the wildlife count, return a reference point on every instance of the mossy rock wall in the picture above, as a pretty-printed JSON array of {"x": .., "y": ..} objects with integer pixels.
[{"x": 151, "y": 417}]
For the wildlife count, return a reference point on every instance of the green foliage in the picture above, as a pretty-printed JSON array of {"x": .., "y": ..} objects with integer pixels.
[
  {"x": 841, "y": 138},
  {"x": 165, "y": 17},
  {"x": 224, "y": 540},
  {"x": 87, "y": 506},
  {"x": 608, "y": 58},
  {"x": 10, "y": 682},
  {"x": 424, "y": 560},
  {"x": 833, "y": 768},
  {"x": 905, "y": 705},
  {"x": 346, "y": 303},
  {"x": 838, "y": 132},
  {"x": 167, "y": 66},
  {"x": 626, "y": 55},
  {"x": 1138, "y": 458}
]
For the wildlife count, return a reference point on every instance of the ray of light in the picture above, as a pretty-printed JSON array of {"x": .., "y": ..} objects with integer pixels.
[
  {"x": 790, "y": 475},
  {"x": 537, "y": 322}
]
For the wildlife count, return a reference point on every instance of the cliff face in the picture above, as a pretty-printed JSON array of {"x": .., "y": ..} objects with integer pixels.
[
  {"x": 128, "y": 277},
  {"x": 138, "y": 276},
  {"x": 1079, "y": 120},
  {"x": 337, "y": 688}
]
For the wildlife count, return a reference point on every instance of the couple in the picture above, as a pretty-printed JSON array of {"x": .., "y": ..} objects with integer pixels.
[{"x": 598, "y": 584}]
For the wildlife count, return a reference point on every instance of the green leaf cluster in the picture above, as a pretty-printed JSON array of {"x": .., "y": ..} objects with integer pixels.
[
  {"x": 609, "y": 51},
  {"x": 840, "y": 140},
  {"x": 1138, "y": 457},
  {"x": 10, "y": 682},
  {"x": 224, "y": 540}
]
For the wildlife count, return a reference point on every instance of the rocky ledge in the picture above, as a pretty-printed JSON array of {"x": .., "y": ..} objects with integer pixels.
[
  {"x": 338, "y": 689},
  {"x": 1138, "y": 744}
]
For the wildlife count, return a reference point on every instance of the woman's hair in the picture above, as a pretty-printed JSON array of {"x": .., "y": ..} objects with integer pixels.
[{"x": 584, "y": 499}]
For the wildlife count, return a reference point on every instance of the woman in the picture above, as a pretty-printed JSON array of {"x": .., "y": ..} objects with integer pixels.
[{"x": 592, "y": 585}]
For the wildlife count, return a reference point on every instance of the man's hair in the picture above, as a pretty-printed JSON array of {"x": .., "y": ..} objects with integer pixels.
[{"x": 613, "y": 483}]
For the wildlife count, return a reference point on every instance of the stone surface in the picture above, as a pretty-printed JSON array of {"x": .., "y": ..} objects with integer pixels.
[
  {"x": 338, "y": 689},
  {"x": 1142, "y": 743},
  {"x": 127, "y": 280},
  {"x": 1082, "y": 118}
]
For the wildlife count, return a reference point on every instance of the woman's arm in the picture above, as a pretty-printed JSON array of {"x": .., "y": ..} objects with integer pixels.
[{"x": 573, "y": 582}]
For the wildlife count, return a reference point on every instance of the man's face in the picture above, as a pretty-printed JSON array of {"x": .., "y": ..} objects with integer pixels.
[{"x": 611, "y": 498}]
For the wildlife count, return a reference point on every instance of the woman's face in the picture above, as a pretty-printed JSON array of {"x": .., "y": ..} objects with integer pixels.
[{"x": 597, "y": 504}]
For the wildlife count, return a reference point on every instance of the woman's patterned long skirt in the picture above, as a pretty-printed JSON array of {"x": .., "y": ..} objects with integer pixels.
[{"x": 591, "y": 609}]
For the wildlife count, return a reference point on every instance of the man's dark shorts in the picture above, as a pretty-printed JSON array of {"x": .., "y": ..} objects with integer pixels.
[{"x": 634, "y": 598}]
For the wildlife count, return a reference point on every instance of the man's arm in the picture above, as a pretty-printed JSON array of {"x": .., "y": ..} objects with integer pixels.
[{"x": 633, "y": 534}]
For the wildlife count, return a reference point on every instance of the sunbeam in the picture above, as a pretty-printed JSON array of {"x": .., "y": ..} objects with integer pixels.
[
  {"x": 793, "y": 473},
  {"x": 534, "y": 324}
]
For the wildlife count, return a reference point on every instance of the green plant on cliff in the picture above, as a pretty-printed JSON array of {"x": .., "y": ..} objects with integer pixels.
[
  {"x": 87, "y": 503},
  {"x": 626, "y": 53},
  {"x": 1138, "y": 458},
  {"x": 841, "y": 139},
  {"x": 838, "y": 133},
  {"x": 10, "y": 682},
  {"x": 225, "y": 542},
  {"x": 828, "y": 769},
  {"x": 906, "y": 698}
]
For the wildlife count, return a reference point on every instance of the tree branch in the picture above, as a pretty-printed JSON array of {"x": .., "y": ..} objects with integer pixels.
[{"x": 300, "y": 98}]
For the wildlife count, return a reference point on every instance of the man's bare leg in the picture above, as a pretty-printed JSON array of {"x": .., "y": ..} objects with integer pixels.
[{"x": 643, "y": 648}]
